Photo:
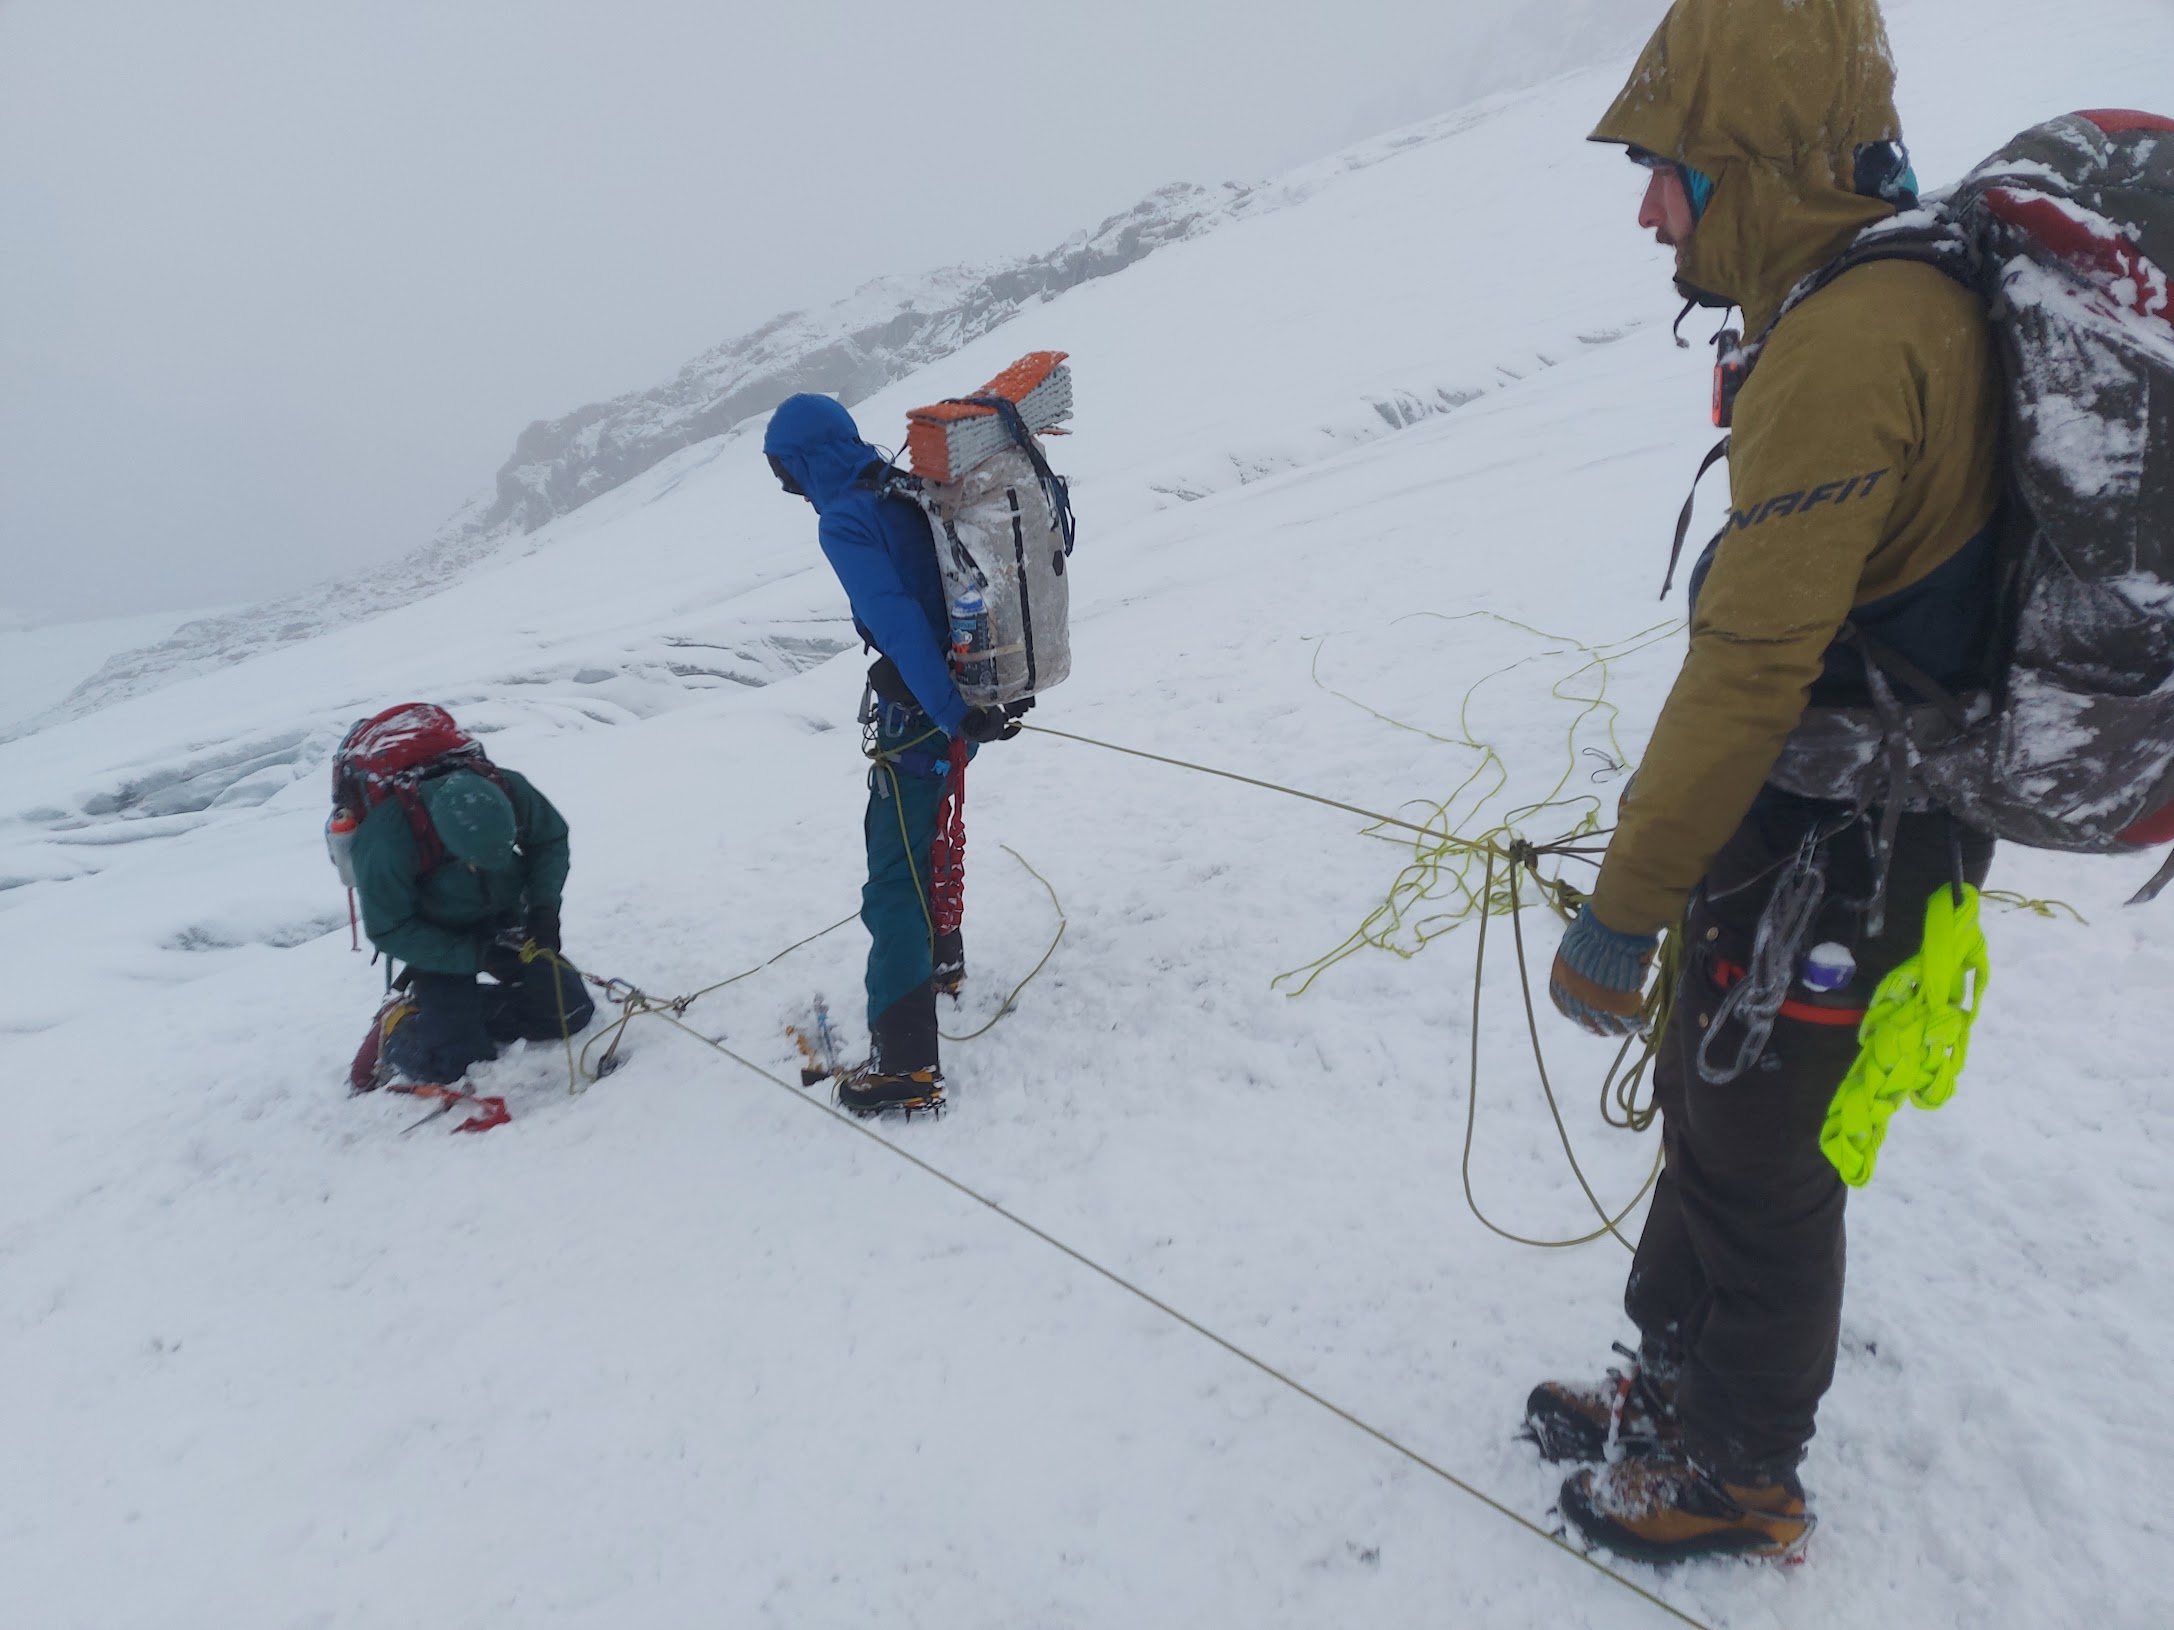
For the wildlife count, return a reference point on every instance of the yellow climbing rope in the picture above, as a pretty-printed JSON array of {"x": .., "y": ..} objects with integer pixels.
[
  {"x": 1493, "y": 874},
  {"x": 1448, "y": 859},
  {"x": 1915, "y": 1036},
  {"x": 1464, "y": 867}
]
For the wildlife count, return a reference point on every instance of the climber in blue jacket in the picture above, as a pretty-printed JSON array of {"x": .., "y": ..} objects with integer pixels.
[{"x": 884, "y": 554}]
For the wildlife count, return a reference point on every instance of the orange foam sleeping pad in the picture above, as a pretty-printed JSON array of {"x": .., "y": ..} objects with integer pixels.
[{"x": 934, "y": 445}]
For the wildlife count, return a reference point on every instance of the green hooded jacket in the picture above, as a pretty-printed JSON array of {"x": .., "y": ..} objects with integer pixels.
[
  {"x": 502, "y": 866},
  {"x": 1866, "y": 447}
]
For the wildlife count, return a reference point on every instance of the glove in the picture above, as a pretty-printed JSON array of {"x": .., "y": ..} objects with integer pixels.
[
  {"x": 1598, "y": 981},
  {"x": 987, "y": 724},
  {"x": 543, "y": 928}
]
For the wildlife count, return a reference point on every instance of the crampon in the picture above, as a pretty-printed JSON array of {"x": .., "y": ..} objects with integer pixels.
[{"x": 866, "y": 1093}]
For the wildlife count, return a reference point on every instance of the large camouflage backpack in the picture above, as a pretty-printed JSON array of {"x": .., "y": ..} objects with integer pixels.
[{"x": 2068, "y": 233}]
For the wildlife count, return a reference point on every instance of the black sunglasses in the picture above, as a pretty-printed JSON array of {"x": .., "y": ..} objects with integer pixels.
[{"x": 785, "y": 476}]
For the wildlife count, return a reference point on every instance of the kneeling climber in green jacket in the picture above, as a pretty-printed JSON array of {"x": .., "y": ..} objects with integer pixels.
[{"x": 458, "y": 865}]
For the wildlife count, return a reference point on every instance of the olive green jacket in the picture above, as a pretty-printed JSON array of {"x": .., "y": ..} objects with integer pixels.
[
  {"x": 443, "y": 920},
  {"x": 1866, "y": 445}
]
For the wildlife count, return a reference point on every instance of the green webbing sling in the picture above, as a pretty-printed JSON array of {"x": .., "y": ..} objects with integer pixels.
[{"x": 1915, "y": 1036}]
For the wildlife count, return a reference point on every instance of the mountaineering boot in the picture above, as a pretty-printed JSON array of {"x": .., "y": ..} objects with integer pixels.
[
  {"x": 1661, "y": 1508},
  {"x": 867, "y": 1092},
  {"x": 1633, "y": 1411},
  {"x": 903, "y": 1039},
  {"x": 369, "y": 1070},
  {"x": 902, "y": 1071}
]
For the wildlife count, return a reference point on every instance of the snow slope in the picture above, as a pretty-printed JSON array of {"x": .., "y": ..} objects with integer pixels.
[
  {"x": 42, "y": 661},
  {"x": 681, "y": 1351}
]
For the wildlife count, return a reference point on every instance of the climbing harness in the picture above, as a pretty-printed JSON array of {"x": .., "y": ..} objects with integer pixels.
[
  {"x": 1754, "y": 999},
  {"x": 1915, "y": 1036}
]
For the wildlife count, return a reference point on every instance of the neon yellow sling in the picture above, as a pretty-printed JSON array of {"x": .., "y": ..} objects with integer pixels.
[{"x": 1915, "y": 1036}]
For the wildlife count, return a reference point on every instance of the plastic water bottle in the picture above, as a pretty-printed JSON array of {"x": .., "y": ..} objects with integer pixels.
[
  {"x": 1828, "y": 967},
  {"x": 969, "y": 638},
  {"x": 340, "y": 828}
]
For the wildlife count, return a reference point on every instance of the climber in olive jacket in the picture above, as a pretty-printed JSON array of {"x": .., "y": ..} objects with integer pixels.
[
  {"x": 1864, "y": 478},
  {"x": 495, "y": 884},
  {"x": 1864, "y": 462}
]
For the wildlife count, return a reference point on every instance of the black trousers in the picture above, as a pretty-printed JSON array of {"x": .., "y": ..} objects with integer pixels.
[{"x": 1738, "y": 1278}]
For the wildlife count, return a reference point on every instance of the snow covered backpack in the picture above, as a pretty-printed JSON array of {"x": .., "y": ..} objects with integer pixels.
[
  {"x": 391, "y": 755},
  {"x": 2068, "y": 233},
  {"x": 1003, "y": 526}
]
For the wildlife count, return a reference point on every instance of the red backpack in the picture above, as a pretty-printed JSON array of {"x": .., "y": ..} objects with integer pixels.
[{"x": 391, "y": 755}]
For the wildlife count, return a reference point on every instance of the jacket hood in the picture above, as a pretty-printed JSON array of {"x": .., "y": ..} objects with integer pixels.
[
  {"x": 818, "y": 442},
  {"x": 1781, "y": 102},
  {"x": 474, "y": 820}
]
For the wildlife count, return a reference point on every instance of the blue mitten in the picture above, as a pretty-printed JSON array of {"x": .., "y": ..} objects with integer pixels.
[{"x": 1599, "y": 977}]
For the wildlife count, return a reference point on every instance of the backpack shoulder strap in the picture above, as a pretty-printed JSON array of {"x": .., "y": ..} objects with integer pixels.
[
  {"x": 429, "y": 847},
  {"x": 910, "y": 489},
  {"x": 481, "y": 765},
  {"x": 1690, "y": 507},
  {"x": 1929, "y": 236}
]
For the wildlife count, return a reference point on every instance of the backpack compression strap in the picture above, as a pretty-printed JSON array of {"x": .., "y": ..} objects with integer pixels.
[{"x": 1054, "y": 486}]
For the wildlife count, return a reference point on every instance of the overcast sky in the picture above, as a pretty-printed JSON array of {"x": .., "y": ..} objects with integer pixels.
[{"x": 281, "y": 280}]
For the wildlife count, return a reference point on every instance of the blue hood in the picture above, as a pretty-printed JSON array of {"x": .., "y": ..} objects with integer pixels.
[
  {"x": 817, "y": 440},
  {"x": 879, "y": 546}
]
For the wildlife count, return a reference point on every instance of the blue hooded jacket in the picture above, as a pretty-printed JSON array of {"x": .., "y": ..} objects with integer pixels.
[{"x": 879, "y": 547}]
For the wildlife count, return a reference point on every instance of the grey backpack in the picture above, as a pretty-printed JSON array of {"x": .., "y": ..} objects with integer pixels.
[{"x": 2068, "y": 233}]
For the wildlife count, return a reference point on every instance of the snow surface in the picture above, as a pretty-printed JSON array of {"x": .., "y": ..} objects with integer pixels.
[
  {"x": 42, "y": 661},
  {"x": 686, "y": 1351}
]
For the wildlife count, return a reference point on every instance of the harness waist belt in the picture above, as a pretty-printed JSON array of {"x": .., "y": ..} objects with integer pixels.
[{"x": 1727, "y": 973}]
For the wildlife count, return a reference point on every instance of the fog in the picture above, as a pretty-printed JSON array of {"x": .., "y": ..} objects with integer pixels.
[{"x": 281, "y": 281}]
